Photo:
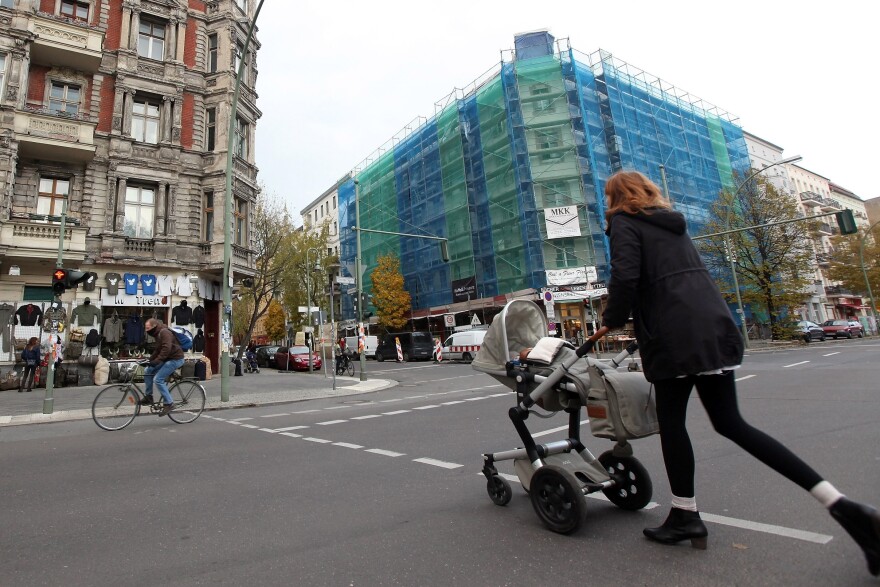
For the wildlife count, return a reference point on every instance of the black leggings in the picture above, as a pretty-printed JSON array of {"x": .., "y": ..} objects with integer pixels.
[
  {"x": 27, "y": 377},
  {"x": 718, "y": 394}
]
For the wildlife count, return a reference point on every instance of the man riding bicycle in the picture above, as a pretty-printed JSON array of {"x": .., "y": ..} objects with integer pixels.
[{"x": 165, "y": 360}]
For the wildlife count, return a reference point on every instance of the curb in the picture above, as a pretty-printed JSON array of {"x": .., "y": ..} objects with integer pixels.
[{"x": 242, "y": 401}]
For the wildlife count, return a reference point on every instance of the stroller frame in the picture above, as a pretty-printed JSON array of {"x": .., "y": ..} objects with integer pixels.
[{"x": 560, "y": 474}]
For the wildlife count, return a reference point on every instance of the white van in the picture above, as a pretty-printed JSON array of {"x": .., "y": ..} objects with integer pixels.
[
  {"x": 370, "y": 344},
  {"x": 463, "y": 346}
]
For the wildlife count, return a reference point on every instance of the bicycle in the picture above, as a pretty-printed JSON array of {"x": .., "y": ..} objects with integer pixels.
[
  {"x": 344, "y": 365},
  {"x": 117, "y": 405}
]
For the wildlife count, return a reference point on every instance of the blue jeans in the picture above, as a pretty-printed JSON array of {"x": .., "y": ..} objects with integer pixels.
[{"x": 161, "y": 373}]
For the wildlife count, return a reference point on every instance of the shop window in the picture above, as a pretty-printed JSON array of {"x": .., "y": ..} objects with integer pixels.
[
  {"x": 208, "y": 218},
  {"x": 210, "y": 128},
  {"x": 240, "y": 222},
  {"x": 151, "y": 39},
  {"x": 53, "y": 192},
  {"x": 64, "y": 98},
  {"x": 75, "y": 10},
  {"x": 241, "y": 138},
  {"x": 145, "y": 120},
  {"x": 212, "y": 53},
  {"x": 139, "y": 210}
]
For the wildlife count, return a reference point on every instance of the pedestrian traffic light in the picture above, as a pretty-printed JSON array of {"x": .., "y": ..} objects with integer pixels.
[
  {"x": 64, "y": 279},
  {"x": 846, "y": 222}
]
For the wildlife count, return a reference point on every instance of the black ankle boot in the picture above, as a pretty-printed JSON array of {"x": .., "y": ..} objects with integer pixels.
[
  {"x": 680, "y": 525},
  {"x": 863, "y": 524}
]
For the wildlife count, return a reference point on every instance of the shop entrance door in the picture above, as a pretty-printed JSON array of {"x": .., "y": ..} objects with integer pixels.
[{"x": 212, "y": 334}]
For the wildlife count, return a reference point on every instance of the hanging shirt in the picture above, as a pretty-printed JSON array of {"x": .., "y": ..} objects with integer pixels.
[
  {"x": 89, "y": 283},
  {"x": 112, "y": 283},
  {"x": 165, "y": 285},
  {"x": 148, "y": 284},
  {"x": 131, "y": 283},
  {"x": 184, "y": 287},
  {"x": 85, "y": 315}
]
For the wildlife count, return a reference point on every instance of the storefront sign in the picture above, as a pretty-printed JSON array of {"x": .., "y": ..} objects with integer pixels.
[
  {"x": 562, "y": 222},
  {"x": 464, "y": 289},
  {"x": 123, "y": 299},
  {"x": 571, "y": 293}
]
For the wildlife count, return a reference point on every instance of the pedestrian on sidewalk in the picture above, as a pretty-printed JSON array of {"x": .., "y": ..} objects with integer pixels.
[
  {"x": 31, "y": 358},
  {"x": 658, "y": 276}
]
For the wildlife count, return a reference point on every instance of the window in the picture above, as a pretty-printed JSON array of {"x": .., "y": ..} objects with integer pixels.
[
  {"x": 208, "y": 218},
  {"x": 241, "y": 138},
  {"x": 334, "y": 202},
  {"x": 7, "y": 4},
  {"x": 145, "y": 121},
  {"x": 242, "y": 4},
  {"x": 2, "y": 73},
  {"x": 212, "y": 53},
  {"x": 151, "y": 40},
  {"x": 64, "y": 98},
  {"x": 210, "y": 128},
  {"x": 75, "y": 10},
  {"x": 53, "y": 192},
  {"x": 565, "y": 252},
  {"x": 240, "y": 222},
  {"x": 239, "y": 55},
  {"x": 139, "y": 205}
]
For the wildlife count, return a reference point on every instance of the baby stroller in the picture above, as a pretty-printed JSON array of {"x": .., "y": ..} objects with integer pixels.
[
  {"x": 557, "y": 377},
  {"x": 250, "y": 362}
]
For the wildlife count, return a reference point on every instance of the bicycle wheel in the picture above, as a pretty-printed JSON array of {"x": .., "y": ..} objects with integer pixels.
[
  {"x": 189, "y": 401},
  {"x": 350, "y": 368},
  {"x": 116, "y": 406}
]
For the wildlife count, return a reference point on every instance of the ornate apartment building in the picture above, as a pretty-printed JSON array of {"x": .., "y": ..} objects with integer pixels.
[{"x": 115, "y": 112}]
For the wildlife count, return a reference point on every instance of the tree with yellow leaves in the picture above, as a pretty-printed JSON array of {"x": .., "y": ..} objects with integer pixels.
[{"x": 391, "y": 300}]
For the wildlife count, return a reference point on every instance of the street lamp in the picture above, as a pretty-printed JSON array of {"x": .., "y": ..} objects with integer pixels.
[
  {"x": 730, "y": 252},
  {"x": 357, "y": 270},
  {"x": 865, "y": 273},
  {"x": 309, "y": 297},
  {"x": 331, "y": 270}
]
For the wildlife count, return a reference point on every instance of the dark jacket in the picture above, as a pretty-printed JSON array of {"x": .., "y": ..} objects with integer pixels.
[
  {"x": 167, "y": 347},
  {"x": 682, "y": 324},
  {"x": 31, "y": 355}
]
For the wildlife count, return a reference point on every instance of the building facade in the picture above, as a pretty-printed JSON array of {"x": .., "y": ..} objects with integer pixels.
[
  {"x": 115, "y": 114},
  {"x": 512, "y": 170}
]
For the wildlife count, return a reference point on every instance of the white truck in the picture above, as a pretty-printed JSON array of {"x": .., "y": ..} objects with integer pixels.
[
  {"x": 370, "y": 344},
  {"x": 463, "y": 346}
]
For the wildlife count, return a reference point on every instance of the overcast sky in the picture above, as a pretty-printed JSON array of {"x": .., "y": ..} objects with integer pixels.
[{"x": 339, "y": 78}]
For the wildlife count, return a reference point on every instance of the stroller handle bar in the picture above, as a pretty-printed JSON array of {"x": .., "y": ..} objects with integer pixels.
[{"x": 590, "y": 342}]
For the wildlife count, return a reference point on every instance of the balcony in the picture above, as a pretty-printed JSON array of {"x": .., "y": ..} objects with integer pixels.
[
  {"x": 64, "y": 42},
  {"x": 43, "y": 134},
  {"x": 245, "y": 170},
  {"x": 825, "y": 229},
  {"x": 810, "y": 199},
  {"x": 26, "y": 236},
  {"x": 829, "y": 205}
]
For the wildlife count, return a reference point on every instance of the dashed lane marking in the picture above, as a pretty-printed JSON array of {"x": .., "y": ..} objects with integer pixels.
[
  {"x": 744, "y": 377},
  {"x": 249, "y": 426},
  {"x": 291, "y": 434},
  {"x": 832, "y": 354},
  {"x": 395, "y": 412},
  {"x": 329, "y": 422},
  {"x": 768, "y": 528},
  {"x": 290, "y": 428},
  {"x": 453, "y": 402},
  {"x": 348, "y": 445},
  {"x": 387, "y": 453},
  {"x": 240, "y": 419},
  {"x": 367, "y": 417},
  {"x": 436, "y": 463},
  {"x": 427, "y": 407},
  {"x": 306, "y": 412},
  {"x": 276, "y": 415},
  {"x": 795, "y": 364},
  {"x": 318, "y": 440},
  {"x": 268, "y": 430}
]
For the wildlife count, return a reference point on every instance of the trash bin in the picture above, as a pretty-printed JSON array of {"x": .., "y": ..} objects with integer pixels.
[{"x": 237, "y": 363}]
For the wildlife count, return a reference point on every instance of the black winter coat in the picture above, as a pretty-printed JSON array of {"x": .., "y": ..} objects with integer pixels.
[{"x": 682, "y": 324}]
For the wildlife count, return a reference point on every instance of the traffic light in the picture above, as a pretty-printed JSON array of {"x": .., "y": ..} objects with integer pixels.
[
  {"x": 846, "y": 222},
  {"x": 64, "y": 279}
]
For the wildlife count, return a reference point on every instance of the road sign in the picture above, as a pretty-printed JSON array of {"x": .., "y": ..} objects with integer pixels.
[
  {"x": 475, "y": 320},
  {"x": 351, "y": 291},
  {"x": 449, "y": 320},
  {"x": 344, "y": 280}
]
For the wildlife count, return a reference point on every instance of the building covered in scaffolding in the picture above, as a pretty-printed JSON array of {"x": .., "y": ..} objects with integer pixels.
[{"x": 511, "y": 170}]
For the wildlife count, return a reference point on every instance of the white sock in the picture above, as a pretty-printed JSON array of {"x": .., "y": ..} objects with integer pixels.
[
  {"x": 826, "y": 493},
  {"x": 684, "y": 503}
]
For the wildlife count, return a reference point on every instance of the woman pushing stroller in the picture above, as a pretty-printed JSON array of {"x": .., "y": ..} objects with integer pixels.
[{"x": 658, "y": 276}]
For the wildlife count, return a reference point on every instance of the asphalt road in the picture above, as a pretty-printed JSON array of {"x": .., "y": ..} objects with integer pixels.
[{"x": 384, "y": 489}]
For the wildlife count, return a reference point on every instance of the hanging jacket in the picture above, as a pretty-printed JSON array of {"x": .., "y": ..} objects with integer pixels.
[
  {"x": 28, "y": 315},
  {"x": 199, "y": 342},
  {"x": 198, "y": 316},
  {"x": 134, "y": 330},
  {"x": 85, "y": 315},
  {"x": 182, "y": 315},
  {"x": 112, "y": 329}
]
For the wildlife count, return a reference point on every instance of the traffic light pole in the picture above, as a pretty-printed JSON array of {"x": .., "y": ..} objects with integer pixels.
[{"x": 49, "y": 398}]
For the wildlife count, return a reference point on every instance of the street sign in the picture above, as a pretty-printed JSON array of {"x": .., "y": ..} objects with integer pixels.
[
  {"x": 475, "y": 320},
  {"x": 449, "y": 320},
  {"x": 344, "y": 280},
  {"x": 351, "y": 291}
]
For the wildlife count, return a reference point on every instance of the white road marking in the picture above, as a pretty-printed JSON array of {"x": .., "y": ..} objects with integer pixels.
[
  {"x": 388, "y": 401},
  {"x": 558, "y": 429},
  {"x": 327, "y": 423},
  {"x": 367, "y": 417},
  {"x": 427, "y": 407},
  {"x": 437, "y": 463},
  {"x": 768, "y": 528},
  {"x": 744, "y": 377},
  {"x": 290, "y": 428},
  {"x": 347, "y": 445},
  {"x": 337, "y": 407},
  {"x": 275, "y": 415},
  {"x": 249, "y": 426},
  {"x": 291, "y": 434},
  {"x": 506, "y": 394},
  {"x": 305, "y": 412},
  {"x": 452, "y": 403},
  {"x": 240, "y": 419},
  {"x": 318, "y": 440},
  {"x": 395, "y": 413},
  {"x": 387, "y": 453},
  {"x": 268, "y": 430},
  {"x": 795, "y": 364},
  {"x": 832, "y": 354},
  {"x": 233, "y": 422},
  {"x": 221, "y": 419},
  {"x": 415, "y": 396}
]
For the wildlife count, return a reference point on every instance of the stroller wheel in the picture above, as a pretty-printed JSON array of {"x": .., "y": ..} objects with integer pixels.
[
  {"x": 558, "y": 499},
  {"x": 633, "y": 487},
  {"x": 499, "y": 490}
]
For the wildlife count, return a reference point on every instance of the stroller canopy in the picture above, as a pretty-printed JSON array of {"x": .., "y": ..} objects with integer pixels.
[{"x": 520, "y": 325}]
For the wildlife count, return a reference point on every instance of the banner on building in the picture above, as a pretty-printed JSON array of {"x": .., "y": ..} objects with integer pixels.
[
  {"x": 571, "y": 276},
  {"x": 562, "y": 222},
  {"x": 464, "y": 289}
]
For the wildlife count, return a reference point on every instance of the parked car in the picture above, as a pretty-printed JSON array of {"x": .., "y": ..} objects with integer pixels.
[
  {"x": 463, "y": 346},
  {"x": 842, "y": 328},
  {"x": 296, "y": 358},
  {"x": 266, "y": 356},
  {"x": 413, "y": 345},
  {"x": 809, "y": 331}
]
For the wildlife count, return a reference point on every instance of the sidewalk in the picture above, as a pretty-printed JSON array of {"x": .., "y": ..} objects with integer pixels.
[{"x": 260, "y": 389}]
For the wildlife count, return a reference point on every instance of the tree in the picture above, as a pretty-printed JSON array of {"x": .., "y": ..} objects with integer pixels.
[
  {"x": 272, "y": 229},
  {"x": 275, "y": 322},
  {"x": 306, "y": 249},
  {"x": 845, "y": 265},
  {"x": 773, "y": 263},
  {"x": 392, "y": 301}
]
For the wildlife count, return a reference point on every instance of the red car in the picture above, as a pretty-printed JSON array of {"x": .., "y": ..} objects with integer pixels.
[
  {"x": 842, "y": 329},
  {"x": 296, "y": 358}
]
